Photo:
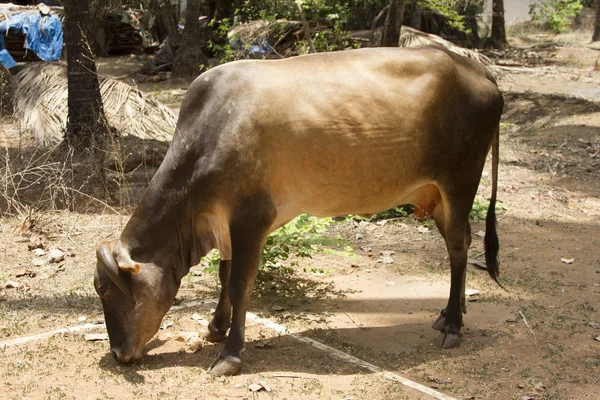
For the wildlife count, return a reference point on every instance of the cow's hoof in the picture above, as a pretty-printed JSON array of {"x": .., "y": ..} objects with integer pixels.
[
  {"x": 212, "y": 334},
  {"x": 226, "y": 366},
  {"x": 448, "y": 340}
]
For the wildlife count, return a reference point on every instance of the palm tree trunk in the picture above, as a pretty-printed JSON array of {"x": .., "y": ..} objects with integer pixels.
[
  {"x": 86, "y": 126},
  {"x": 190, "y": 60},
  {"x": 596, "y": 35},
  {"x": 498, "y": 38},
  {"x": 393, "y": 24}
]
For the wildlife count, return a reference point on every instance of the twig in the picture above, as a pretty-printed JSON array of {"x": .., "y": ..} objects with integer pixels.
[
  {"x": 306, "y": 28},
  {"x": 286, "y": 376},
  {"x": 528, "y": 327},
  {"x": 476, "y": 263},
  {"x": 348, "y": 315}
]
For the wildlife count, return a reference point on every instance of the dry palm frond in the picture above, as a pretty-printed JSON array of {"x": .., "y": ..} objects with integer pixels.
[
  {"x": 410, "y": 37},
  {"x": 41, "y": 104}
]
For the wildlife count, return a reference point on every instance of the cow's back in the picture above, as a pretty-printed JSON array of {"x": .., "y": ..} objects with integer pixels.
[{"x": 348, "y": 132}]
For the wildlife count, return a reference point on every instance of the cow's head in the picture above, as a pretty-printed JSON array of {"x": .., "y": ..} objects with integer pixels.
[{"x": 135, "y": 297}]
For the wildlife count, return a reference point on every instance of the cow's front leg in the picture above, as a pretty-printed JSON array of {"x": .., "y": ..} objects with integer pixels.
[
  {"x": 247, "y": 241},
  {"x": 217, "y": 329}
]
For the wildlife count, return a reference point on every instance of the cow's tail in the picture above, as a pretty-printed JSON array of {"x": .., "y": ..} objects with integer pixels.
[{"x": 492, "y": 245}]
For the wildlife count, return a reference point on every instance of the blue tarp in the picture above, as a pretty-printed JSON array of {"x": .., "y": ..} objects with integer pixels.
[
  {"x": 5, "y": 58},
  {"x": 43, "y": 33}
]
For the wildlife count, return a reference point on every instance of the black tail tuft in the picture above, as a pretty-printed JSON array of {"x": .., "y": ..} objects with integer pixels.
[{"x": 492, "y": 245}]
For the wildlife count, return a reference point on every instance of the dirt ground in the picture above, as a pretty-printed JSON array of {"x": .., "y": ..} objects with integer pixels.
[{"x": 538, "y": 339}]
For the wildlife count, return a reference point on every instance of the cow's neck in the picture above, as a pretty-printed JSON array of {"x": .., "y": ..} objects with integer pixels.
[{"x": 160, "y": 229}]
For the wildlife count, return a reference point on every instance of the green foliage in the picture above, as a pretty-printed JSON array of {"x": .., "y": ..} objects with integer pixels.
[
  {"x": 556, "y": 14},
  {"x": 222, "y": 47},
  {"x": 301, "y": 237},
  {"x": 450, "y": 10},
  {"x": 479, "y": 209}
]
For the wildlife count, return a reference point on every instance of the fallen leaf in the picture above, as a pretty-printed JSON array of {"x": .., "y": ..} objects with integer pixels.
[
  {"x": 183, "y": 336},
  {"x": 95, "y": 337},
  {"x": 438, "y": 380},
  {"x": 166, "y": 325},
  {"x": 255, "y": 387},
  {"x": 26, "y": 272},
  {"x": 12, "y": 285},
  {"x": 567, "y": 260},
  {"x": 195, "y": 344}
]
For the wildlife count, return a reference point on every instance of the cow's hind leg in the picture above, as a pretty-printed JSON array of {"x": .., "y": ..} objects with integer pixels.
[
  {"x": 248, "y": 235},
  {"x": 452, "y": 219},
  {"x": 217, "y": 329}
]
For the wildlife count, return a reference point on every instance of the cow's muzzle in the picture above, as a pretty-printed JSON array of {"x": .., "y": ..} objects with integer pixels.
[{"x": 126, "y": 355}]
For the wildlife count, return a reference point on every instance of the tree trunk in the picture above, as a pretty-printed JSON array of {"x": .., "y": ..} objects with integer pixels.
[
  {"x": 498, "y": 38},
  {"x": 415, "y": 16},
  {"x": 596, "y": 35},
  {"x": 86, "y": 125},
  {"x": 393, "y": 24},
  {"x": 190, "y": 58},
  {"x": 471, "y": 11},
  {"x": 166, "y": 21},
  {"x": 220, "y": 9}
]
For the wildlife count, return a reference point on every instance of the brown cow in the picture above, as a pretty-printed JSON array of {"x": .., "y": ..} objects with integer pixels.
[{"x": 260, "y": 142}]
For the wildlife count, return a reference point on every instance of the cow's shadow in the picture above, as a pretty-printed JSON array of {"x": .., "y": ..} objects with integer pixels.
[{"x": 396, "y": 347}]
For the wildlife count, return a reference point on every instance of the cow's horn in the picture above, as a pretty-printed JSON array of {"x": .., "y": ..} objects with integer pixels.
[{"x": 104, "y": 254}]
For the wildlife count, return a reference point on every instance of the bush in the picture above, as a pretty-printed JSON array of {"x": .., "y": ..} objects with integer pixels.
[
  {"x": 558, "y": 15},
  {"x": 301, "y": 237}
]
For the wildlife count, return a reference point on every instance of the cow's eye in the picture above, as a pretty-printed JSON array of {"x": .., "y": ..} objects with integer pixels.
[{"x": 102, "y": 289}]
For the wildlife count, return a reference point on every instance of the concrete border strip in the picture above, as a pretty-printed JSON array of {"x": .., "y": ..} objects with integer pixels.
[
  {"x": 270, "y": 324},
  {"x": 87, "y": 327},
  {"x": 349, "y": 358}
]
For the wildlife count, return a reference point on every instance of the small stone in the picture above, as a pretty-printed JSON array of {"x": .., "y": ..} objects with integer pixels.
[
  {"x": 38, "y": 262},
  {"x": 56, "y": 256},
  {"x": 277, "y": 307},
  {"x": 38, "y": 252}
]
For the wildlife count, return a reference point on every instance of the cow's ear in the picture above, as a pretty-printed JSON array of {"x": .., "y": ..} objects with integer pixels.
[{"x": 132, "y": 268}]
